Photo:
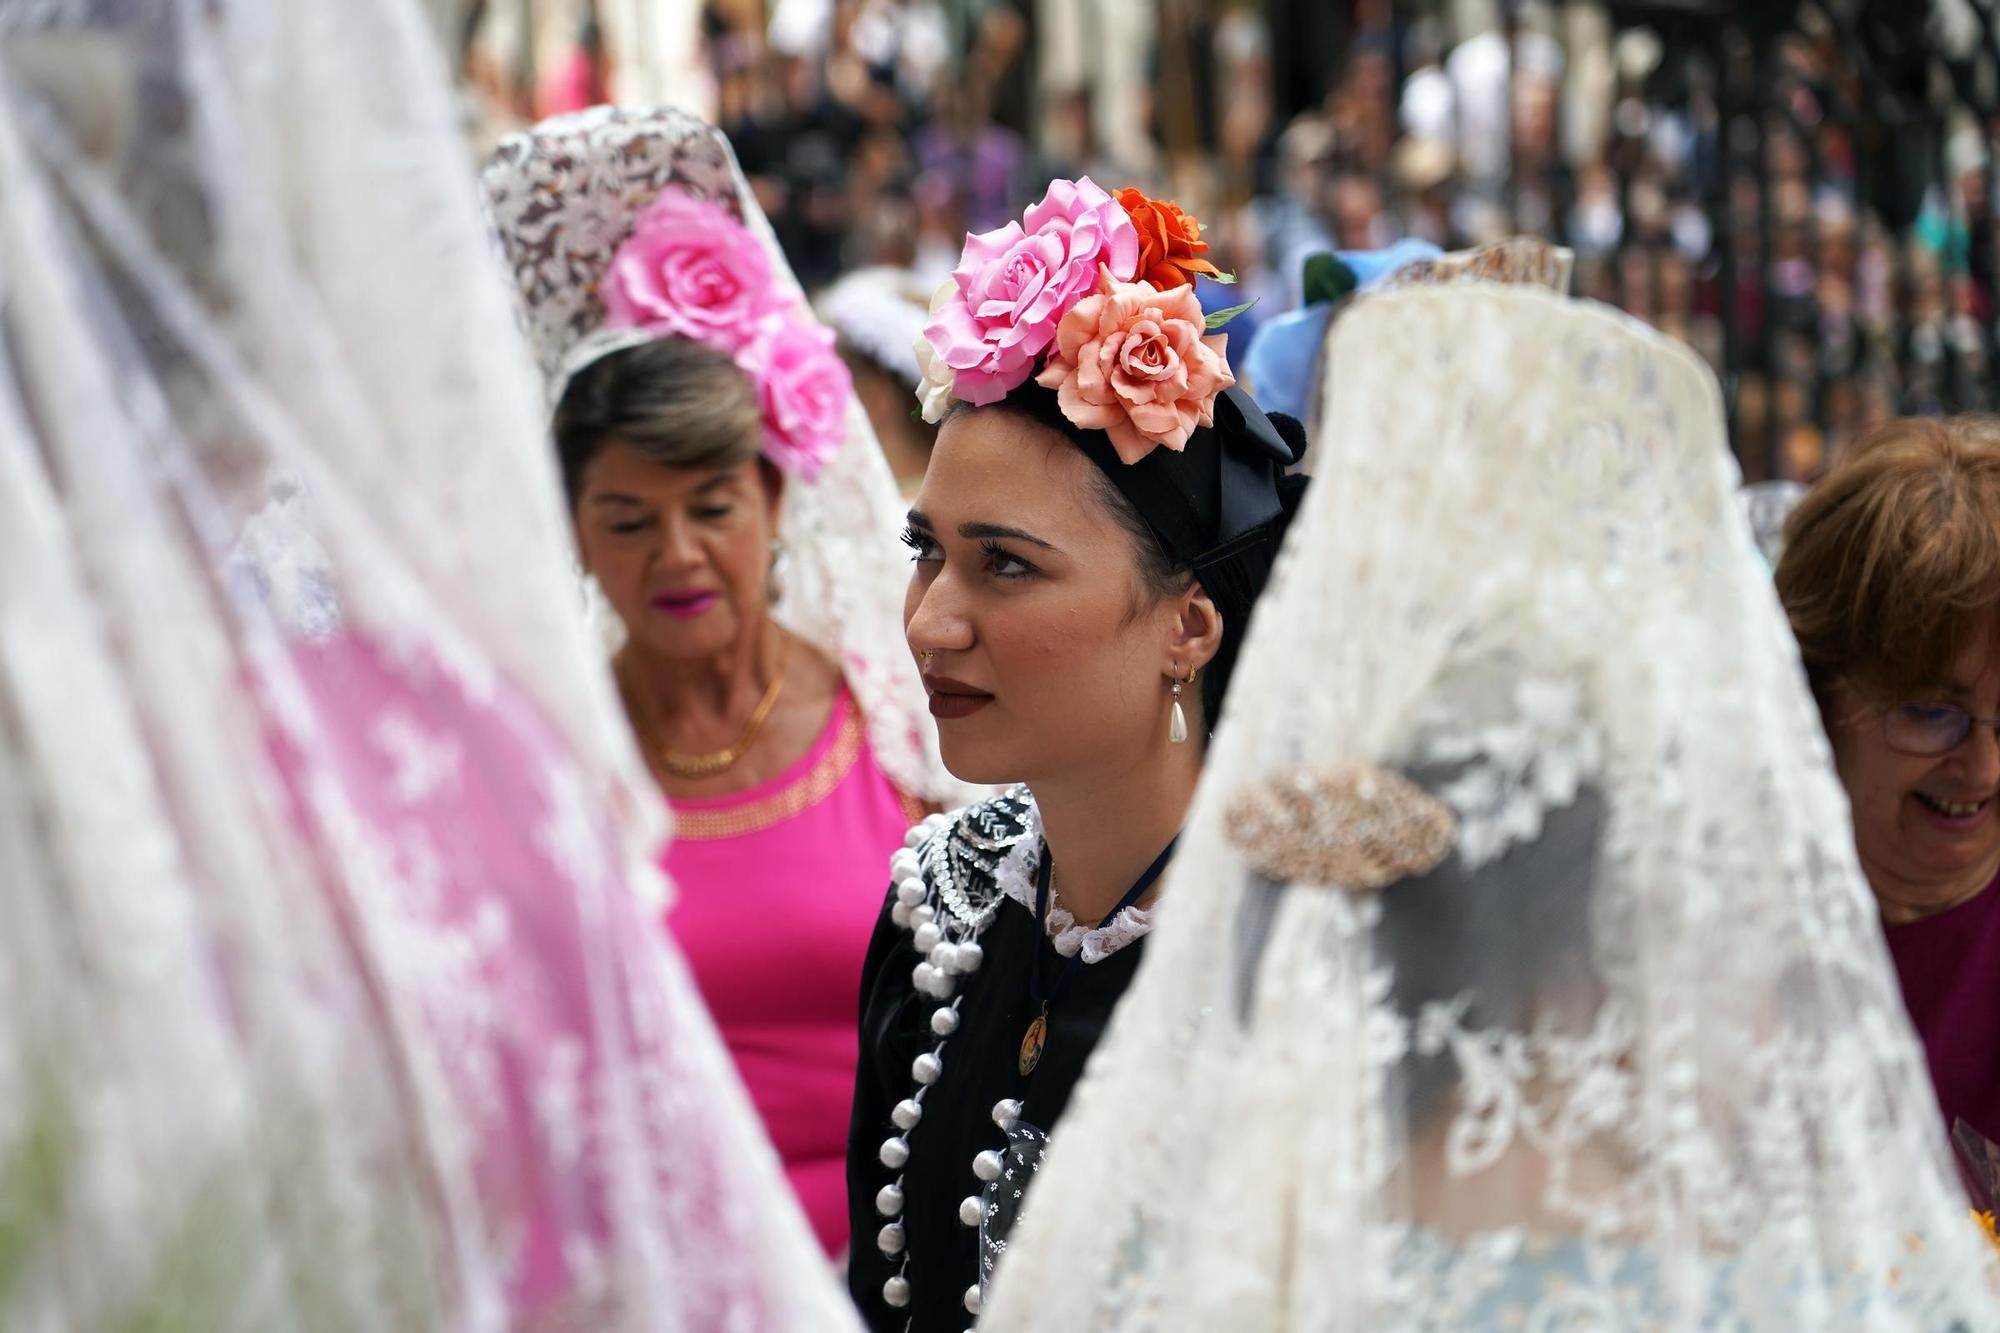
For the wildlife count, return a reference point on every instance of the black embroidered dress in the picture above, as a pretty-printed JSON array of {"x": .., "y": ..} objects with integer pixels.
[{"x": 927, "y": 1087}]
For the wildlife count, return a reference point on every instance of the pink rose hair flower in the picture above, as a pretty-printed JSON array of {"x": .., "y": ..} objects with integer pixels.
[
  {"x": 803, "y": 387},
  {"x": 1138, "y": 364},
  {"x": 692, "y": 269},
  {"x": 1059, "y": 298},
  {"x": 1014, "y": 285}
]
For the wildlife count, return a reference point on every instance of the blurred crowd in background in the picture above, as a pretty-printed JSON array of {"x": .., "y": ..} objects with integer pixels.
[{"x": 1802, "y": 192}]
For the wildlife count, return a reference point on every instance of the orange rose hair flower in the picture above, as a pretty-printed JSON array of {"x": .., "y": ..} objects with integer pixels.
[{"x": 1170, "y": 244}]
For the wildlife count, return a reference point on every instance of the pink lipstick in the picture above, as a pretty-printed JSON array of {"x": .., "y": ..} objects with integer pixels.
[{"x": 685, "y": 605}]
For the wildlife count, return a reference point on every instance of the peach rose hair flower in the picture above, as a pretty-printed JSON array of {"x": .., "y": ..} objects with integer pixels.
[{"x": 1138, "y": 364}]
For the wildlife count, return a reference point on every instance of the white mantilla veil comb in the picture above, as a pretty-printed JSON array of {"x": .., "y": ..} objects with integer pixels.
[
  {"x": 329, "y": 1001},
  {"x": 1517, "y": 970},
  {"x": 564, "y": 196}
]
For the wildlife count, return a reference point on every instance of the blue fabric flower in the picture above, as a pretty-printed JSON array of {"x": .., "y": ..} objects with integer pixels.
[{"x": 1279, "y": 361}]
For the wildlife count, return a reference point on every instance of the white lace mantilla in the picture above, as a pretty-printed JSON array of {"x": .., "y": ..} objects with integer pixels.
[
  {"x": 1633, "y": 1055},
  {"x": 1016, "y": 877},
  {"x": 562, "y": 198},
  {"x": 329, "y": 1002}
]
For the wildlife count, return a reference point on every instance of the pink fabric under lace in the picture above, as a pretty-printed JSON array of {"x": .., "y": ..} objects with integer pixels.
[{"x": 779, "y": 887}]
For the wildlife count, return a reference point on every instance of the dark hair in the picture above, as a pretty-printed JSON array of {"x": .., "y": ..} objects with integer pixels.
[
  {"x": 1171, "y": 504},
  {"x": 672, "y": 401},
  {"x": 1512, "y": 936},
  {"x": 1508, "y": 949}
]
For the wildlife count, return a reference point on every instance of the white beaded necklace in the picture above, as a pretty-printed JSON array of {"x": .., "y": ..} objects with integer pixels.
[
  {"x": 945, "y": 920},
  {"x": 950, "y": 948}
]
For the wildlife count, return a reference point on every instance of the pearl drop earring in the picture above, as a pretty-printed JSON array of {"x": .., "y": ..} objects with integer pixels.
[{"x": 1177, "y": 720}]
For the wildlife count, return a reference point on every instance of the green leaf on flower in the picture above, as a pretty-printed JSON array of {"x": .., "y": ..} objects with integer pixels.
[
  {"x": 1226, "y": 279},
  {"x": 1221, "y": 317},
  {"x": 1327, "y": 279}
]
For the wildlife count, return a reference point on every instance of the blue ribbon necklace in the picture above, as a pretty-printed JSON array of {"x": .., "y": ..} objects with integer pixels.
[{"x": 1036, "y": 1038}]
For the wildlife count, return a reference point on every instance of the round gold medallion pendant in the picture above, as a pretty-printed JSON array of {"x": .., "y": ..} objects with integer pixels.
[{"x": 1032, "y": 1042}]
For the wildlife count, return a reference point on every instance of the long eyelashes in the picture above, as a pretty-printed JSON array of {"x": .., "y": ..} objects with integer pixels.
[
  {"x": 999, "y": 559},
  {"x": 1000, "y": 562},
  {"x": 920, "y": 544}
]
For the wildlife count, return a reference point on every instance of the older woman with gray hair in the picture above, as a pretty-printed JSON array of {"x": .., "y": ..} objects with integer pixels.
[{"x": 731, "y": 505}]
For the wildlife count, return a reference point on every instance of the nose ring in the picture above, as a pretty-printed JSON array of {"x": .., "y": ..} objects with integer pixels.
[{"x": 927, "y": 654}]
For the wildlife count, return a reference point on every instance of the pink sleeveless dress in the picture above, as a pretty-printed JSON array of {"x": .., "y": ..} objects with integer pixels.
[{"x": 778, "y": 889}]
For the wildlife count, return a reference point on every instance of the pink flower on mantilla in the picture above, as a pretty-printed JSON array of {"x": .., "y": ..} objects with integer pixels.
[
  {"x": 1015, "y": 283},
  {"x": 1138, "y": 364},
  {"x": 803, "y": 388},
  {"x": 692, "y": 269}
]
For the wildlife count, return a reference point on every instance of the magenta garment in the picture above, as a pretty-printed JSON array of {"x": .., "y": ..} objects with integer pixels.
[
  {"x": 481, "y": 876},
  {"x": 1949, "y": 966},
  {"x": 778, "y": 890}
]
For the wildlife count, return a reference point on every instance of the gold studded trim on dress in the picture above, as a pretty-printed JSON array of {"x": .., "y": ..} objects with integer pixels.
[{"x": 812, "y": 787}]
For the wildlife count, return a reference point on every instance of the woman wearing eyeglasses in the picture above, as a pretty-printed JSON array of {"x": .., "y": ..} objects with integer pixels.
[{"x": 1891, "y": 577}]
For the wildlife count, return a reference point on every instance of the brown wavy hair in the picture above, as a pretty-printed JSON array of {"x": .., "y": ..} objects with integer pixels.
[
  {"x": 672, "y": 401},
  {"x": 1891, "y": 566}
]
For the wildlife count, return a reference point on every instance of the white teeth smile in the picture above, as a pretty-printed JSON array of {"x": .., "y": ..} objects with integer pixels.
[{"x": 1952, "y": 809}]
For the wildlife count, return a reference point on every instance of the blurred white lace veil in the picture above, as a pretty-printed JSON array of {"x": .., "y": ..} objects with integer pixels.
[
  {"x": 1516, "y": 970},
  {"x": 563, "y": 196},
  {"x": 328, "y": 999},
  {"x": 1766, "y": 505}
]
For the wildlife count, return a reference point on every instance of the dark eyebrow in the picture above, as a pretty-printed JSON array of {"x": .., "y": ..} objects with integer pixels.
[
  {"x": 614, "y": 498},
  {"x": 992, "y": 530},
  {"x": 974, "y": 531}
]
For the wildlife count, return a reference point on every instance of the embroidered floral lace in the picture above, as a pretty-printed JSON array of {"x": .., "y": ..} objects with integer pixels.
[
  {"x": 1632, "y": 1056},
  {"x": 1015, "y": 874},
  {"x": 563, "y": 199},
  {"x": 328, "y": 999}
]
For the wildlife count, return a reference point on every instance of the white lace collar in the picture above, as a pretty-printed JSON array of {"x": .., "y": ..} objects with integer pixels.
[{"x": 1016, "y": 877}]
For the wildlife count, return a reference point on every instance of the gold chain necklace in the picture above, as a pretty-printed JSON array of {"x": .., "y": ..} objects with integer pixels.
[{"x": 717, "y": 761}]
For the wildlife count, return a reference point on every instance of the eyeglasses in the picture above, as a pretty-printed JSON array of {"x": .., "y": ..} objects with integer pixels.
[{"x": 1929, "y": 730}]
